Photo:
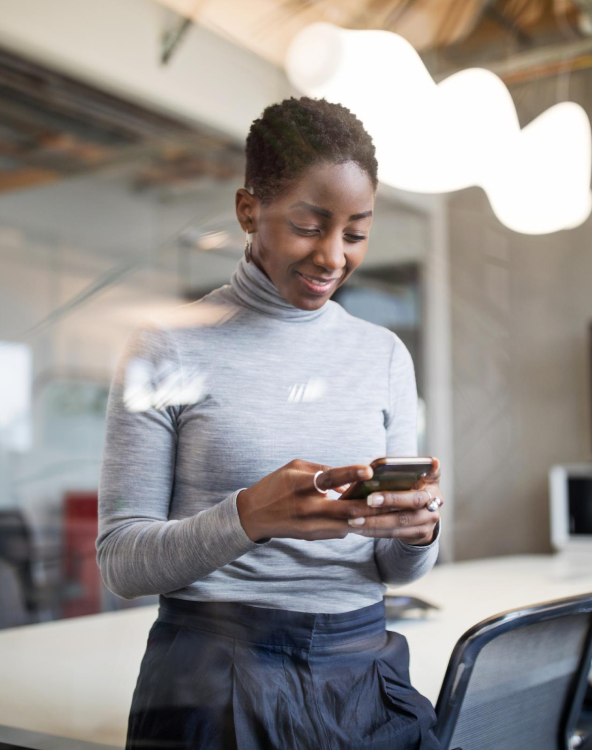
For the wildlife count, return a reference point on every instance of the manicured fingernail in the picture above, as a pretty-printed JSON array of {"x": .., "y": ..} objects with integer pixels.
[
  {"x": 375, "y": 499},
  {"x": 357, "y": 521},
  {"x": 365, "y": 473}
]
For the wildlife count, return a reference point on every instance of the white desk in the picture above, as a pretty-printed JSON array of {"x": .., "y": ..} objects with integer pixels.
[{"x": 75, "y": 678}]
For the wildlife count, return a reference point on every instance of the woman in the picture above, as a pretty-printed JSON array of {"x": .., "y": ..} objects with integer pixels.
[{"x": 226, "y": 429}]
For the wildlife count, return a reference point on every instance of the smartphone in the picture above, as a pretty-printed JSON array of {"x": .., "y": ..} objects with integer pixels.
[{"x": 390, "y": 475}]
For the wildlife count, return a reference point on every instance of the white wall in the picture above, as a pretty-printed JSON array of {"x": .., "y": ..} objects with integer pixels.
[{"x": 521, "y": 306}]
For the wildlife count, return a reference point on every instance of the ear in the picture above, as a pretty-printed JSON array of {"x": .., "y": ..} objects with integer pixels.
[{"x": 247, "y": 210}]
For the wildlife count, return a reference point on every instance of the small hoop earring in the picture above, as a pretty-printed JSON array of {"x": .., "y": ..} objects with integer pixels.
[{"x": 248, "y": 248}]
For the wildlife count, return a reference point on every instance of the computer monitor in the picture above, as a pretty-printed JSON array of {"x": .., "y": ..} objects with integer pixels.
[{"x": 570, "y": 493}]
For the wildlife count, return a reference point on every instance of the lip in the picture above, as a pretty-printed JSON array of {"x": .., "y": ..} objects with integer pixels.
[{"x": 318, "y": 287}]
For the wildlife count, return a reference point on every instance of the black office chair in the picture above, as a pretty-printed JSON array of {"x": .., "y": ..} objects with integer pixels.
[
  {"x": 517, "y": 680},
  {"x": 16, "y": 546},
  {"x": 26, "y": 596}
]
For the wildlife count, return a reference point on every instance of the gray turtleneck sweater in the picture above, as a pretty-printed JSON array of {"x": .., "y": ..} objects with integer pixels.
[{"x": 218, "y": 395}]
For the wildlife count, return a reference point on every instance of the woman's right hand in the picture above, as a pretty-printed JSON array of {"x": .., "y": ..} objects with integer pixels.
[{"x": 286, "y": 503}]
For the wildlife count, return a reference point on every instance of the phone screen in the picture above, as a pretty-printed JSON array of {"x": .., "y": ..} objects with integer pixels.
[{"x": 390, "y": 475}]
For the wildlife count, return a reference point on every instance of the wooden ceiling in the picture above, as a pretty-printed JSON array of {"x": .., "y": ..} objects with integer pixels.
[
  {"x": 267, "y": 26},
  {"x": 53, "y": 126}
]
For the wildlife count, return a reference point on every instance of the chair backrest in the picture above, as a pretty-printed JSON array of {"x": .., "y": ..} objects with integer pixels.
[
  {"x": 16, "y": 548},
  {"x": 517, "y": 680}
]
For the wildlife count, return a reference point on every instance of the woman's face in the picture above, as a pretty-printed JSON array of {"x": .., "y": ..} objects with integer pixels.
[{"x": 312, "y": 238}]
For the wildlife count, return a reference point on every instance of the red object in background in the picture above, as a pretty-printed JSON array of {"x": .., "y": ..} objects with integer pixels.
[{"x": 81, "y": 573}]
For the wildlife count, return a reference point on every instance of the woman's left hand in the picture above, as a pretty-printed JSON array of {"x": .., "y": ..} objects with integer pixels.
[{"x": 410, "y": 520}]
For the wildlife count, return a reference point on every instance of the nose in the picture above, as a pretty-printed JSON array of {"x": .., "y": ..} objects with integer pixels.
[{"x": 329, "y": 252}]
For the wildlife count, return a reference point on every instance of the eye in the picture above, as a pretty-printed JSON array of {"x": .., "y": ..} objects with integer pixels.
[
  {"x": 302, "y": 230},
  {"x": 355, "y": 237}
]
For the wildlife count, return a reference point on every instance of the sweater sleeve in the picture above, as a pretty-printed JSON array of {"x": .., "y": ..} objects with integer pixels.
[
  {"x": 139, "y": 550},
  {"x": 400, "y": 563}
]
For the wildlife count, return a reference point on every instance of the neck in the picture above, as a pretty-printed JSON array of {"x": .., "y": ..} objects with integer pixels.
[{"x": 255, "y": 290}]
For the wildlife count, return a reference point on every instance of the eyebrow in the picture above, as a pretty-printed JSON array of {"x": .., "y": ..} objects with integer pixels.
[{"x": 326, "y": 213}]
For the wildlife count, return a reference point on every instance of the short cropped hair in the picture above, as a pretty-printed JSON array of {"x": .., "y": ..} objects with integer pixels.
[{"x": 295, "y": 134}]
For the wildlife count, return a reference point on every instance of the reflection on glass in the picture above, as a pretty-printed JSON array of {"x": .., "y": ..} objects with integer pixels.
[{"x": 15, "y": 396}]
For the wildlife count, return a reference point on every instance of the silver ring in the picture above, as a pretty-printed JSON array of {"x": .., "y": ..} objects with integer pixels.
[
  {"x": 434, "y": 503},
  {"x": 317, "y": 488}
]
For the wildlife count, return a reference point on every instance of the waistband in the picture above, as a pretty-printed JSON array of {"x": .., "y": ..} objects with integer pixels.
[{"x": 276, "y": 627}]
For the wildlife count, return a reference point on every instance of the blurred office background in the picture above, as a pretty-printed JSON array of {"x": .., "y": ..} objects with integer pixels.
[{"x": 121, "y": 147}]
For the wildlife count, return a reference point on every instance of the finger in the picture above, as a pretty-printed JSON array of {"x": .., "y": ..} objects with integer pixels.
[
  {"x": 401, "y": 520},
  {"x": 432, "y": 476},
  {"x": 343, "y": 487},
  {"x": 405, "y": 500},
  {"x": 336, "y": 493},
  {"x": 413, "y": 535},
  {"x": 335, "y": 477},
  {"x": 340, "y": 510},
  {"x": 405, "y": 525}
]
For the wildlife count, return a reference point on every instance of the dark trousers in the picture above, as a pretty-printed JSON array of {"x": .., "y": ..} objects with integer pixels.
[{"x": 229, "y": 676}]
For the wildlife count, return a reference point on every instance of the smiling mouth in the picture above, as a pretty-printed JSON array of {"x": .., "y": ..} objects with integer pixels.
[{"x": 318, "y": 283}]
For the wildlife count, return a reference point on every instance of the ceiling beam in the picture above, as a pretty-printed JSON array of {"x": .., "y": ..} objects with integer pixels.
[{"x": 537, "y": 63}]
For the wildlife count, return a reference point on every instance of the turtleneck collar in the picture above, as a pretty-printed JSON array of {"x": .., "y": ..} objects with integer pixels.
[{"x": 255, "y": 290}]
